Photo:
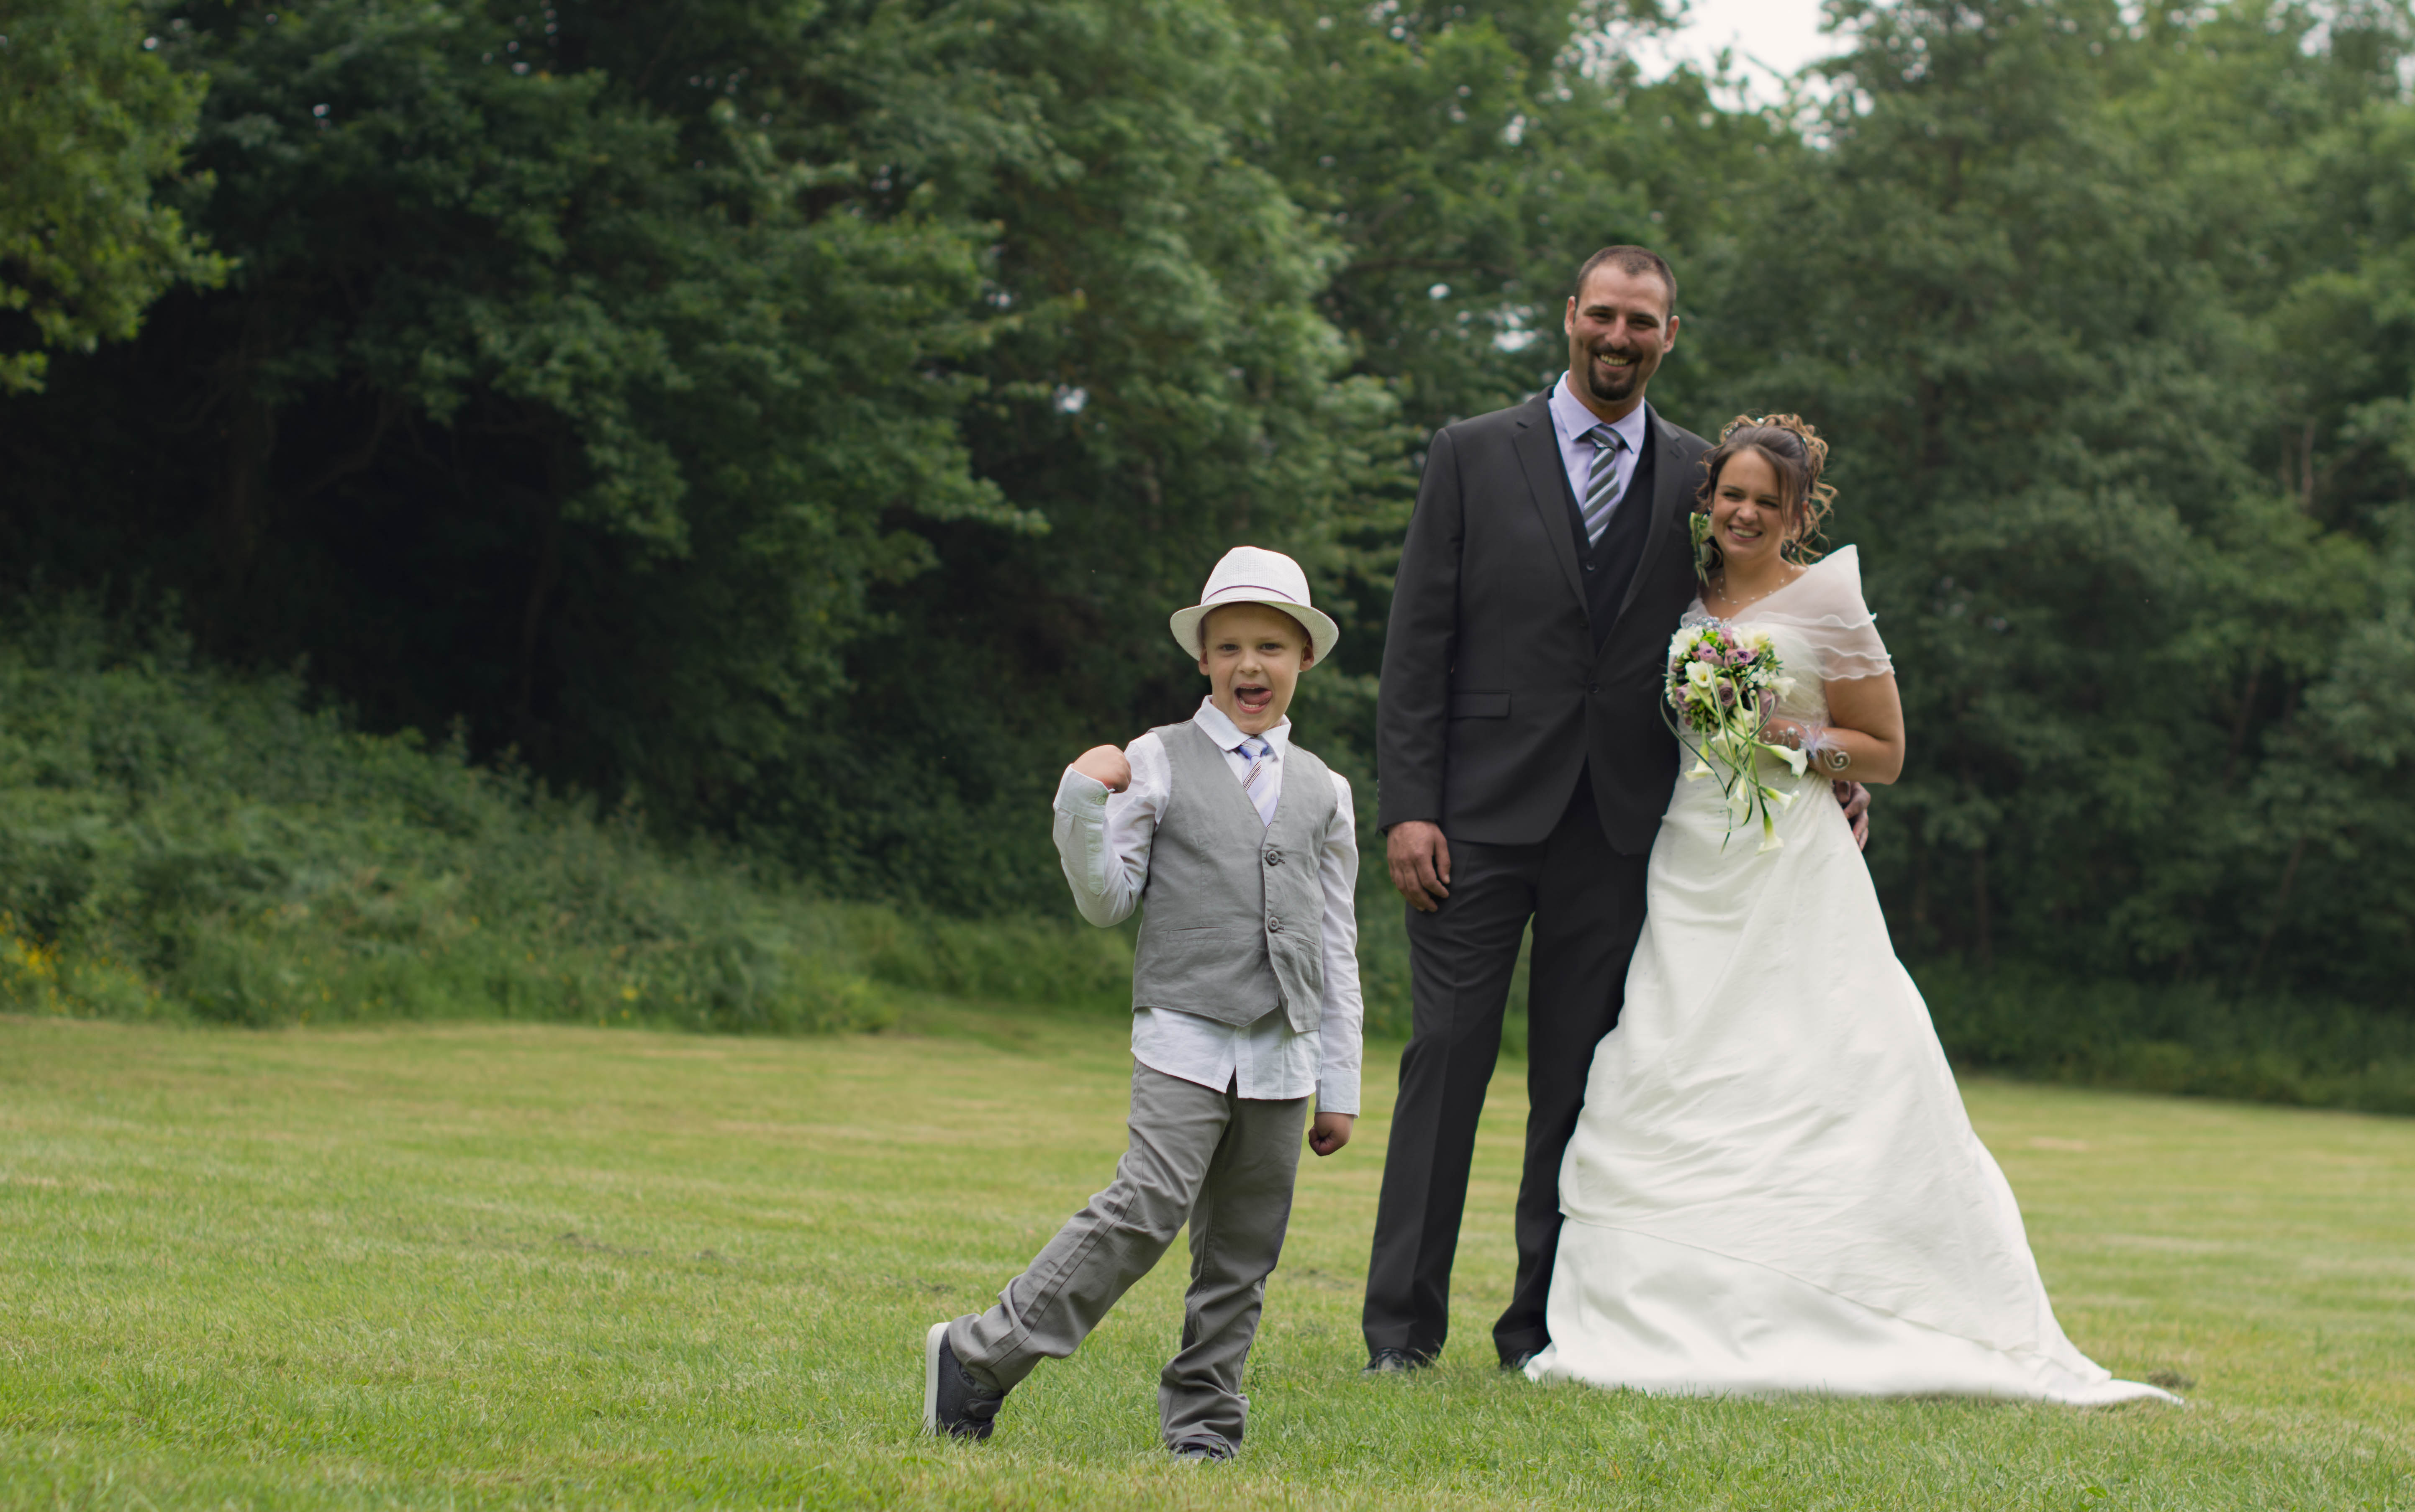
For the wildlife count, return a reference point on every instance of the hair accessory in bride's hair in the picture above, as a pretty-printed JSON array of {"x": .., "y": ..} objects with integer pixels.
[{"x": 1794, "y": 448}]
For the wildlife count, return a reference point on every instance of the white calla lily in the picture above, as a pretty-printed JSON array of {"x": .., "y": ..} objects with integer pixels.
[
  {"x": 1715, "y": 707},
  {"x": 1740, "y": 798}
]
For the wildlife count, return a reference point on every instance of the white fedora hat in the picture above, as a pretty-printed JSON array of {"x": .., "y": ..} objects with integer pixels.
[{"x": 1252, "y": 574}]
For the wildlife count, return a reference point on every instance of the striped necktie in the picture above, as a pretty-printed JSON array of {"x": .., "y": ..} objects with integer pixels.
[
  {"x": 1601, "y": 488},
  {"x": 1257, "y": 784}
]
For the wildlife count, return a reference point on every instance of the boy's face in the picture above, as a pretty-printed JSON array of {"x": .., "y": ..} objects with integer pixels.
[{"x": 1252, "y": 656}]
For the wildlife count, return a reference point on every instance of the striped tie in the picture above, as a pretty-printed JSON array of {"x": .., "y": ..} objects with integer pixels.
[
  {"x": 1602, "y": 488},
  {"x": 1260, "y": 793}
]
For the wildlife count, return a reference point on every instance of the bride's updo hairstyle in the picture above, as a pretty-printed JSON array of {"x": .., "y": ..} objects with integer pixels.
[{"x": 1797, "y": 455}]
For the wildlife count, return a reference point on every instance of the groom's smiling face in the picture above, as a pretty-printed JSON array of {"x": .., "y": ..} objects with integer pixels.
[{"x": 1619, "y": 327}]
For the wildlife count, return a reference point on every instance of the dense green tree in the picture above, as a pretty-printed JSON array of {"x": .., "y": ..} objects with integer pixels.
[
  {"x": 1469, "y": 159},
  {"x": 608, "y": 383},
  {"x": 2332, "y": 716},
  {"x": 1466, "y": 159},
  {"x": 92, "y": 121},
  {"x": 1161, "y": 385},
  {"x": 2022, "y": 289},
  {"x": 803, "y": 416},
  {"x": 532, "y": 404}
]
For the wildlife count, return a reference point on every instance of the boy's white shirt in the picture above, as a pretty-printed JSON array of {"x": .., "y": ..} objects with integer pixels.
[{"x": 1103, "y": 841}]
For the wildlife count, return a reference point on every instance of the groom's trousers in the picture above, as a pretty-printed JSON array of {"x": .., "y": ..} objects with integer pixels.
[{"x": 1585, "y": 901}]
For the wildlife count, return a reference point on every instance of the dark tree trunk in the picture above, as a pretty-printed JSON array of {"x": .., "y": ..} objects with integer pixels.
[
  {"x": 242, "y": 514},
  {"x": 548, "y": 569},
  {"x": 2280, "y": 910},
  {"x": 558, "y": 470}
]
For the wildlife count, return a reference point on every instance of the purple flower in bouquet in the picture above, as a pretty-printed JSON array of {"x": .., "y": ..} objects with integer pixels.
[{"x": 1721, "y": 679}]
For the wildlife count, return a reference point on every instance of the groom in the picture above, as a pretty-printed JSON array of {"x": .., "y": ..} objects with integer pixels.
[{"x": 1523, "y": 769}]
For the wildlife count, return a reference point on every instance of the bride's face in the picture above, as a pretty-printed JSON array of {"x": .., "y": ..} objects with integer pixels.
[{"x": 1748, "y": 512}]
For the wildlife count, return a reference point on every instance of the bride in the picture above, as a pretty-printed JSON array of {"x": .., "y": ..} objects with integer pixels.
[{"x": 1774, "y": 1186}]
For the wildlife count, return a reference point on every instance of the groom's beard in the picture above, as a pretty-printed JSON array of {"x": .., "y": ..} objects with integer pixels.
[{"x": 1615, "y": 386}]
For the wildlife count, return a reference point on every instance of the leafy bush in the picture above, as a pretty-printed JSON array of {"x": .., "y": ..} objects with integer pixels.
[
  {"x": 180, "y": 844},
  {"x": 2186, "y": 1038},
  {"x": 177, "y": 843}
]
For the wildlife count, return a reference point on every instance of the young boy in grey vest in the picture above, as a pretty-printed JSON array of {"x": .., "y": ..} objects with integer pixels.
[{"x": 1241, "y": 850}]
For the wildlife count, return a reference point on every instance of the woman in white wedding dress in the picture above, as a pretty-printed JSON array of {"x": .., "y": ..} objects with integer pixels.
[{"x": 1774, "y": 1186}]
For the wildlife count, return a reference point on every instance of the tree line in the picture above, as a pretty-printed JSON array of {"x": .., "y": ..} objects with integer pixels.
[{"x": 800, "y": 418}]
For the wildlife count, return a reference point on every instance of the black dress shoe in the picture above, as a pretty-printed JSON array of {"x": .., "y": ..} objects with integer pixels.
[
  {"x": 954, "y": 1405},
  {"x": 1517, "y": 1361},
  {"x": 1395, "y": 1362},
  {"x": 1207, "y": 1448}
]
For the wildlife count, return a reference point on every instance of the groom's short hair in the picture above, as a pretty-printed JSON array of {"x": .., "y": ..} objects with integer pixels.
[{"x": 1637, "y": 259}]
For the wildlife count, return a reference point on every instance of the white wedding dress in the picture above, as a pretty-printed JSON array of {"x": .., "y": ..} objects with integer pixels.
[{"x": 1774, "y": 1186}]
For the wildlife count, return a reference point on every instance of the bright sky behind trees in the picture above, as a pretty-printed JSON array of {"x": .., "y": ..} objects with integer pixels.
[{"x": 1770, "y": 38}]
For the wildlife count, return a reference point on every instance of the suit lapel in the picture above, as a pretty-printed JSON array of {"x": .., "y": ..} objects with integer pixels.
[
  {"x": 1537, "y": 445},
  {"x": 1668, "y": 495}
]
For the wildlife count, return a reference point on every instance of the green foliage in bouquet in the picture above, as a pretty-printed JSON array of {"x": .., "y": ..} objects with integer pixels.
[{"x": 1721, "y": 682}]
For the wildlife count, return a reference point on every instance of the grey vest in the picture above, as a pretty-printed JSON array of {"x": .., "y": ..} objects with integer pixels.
[{"x": 1233, "y": 917}]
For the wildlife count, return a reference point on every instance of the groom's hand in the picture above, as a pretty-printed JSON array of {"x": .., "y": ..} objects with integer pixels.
[
  {"x": 1856, "y": 801},
  {"x": 1419, "y": 859},
  {"x": 1329, "y": 1132}
]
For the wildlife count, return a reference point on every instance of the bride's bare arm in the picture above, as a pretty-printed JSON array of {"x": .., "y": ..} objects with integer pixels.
[
  {"x": 1864, "y": 728},
  {"x": 1863, "y": 740}
]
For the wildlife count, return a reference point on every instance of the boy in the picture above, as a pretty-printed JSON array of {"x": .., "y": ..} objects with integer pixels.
[{"x": 1245, "y": 1000}]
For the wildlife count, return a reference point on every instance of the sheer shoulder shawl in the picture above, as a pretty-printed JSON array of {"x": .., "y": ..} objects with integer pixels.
[{"x": 1823, "y": 609}]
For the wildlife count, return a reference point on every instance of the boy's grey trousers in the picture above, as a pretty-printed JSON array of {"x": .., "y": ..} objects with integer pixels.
[{"x": 1222, "y": 1162}]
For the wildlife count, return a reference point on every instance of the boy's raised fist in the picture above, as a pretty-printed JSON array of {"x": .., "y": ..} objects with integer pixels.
[{"x": 1105, "y": 766}]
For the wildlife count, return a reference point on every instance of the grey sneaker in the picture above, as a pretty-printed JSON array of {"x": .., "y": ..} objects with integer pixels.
[
  {"x": 953, "y": 1405},
  {"x": 1207, "y": 1448}
]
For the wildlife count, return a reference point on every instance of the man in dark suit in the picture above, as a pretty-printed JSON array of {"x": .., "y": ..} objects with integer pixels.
[{"x": 1523, "y": 767}]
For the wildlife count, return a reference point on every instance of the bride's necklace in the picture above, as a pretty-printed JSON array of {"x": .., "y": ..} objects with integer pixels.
[{"x": 1734, "y": 603}]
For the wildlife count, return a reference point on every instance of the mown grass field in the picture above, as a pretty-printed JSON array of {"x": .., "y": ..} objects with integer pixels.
[{"x": 517, "y": 1266}]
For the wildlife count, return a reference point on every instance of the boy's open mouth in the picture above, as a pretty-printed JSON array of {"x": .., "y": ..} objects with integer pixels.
[{"x": 1251, "y": 698}]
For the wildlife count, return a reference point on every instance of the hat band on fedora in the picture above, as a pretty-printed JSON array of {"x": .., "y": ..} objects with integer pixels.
[{"x": 1243, "y": 588}]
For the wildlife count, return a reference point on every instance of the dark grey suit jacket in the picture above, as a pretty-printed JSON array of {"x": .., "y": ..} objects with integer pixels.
[{"x": 1494, "y": 699}]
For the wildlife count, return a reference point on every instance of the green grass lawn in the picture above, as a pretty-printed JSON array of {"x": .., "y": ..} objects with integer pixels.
[{"x": 507, "y": 1266}]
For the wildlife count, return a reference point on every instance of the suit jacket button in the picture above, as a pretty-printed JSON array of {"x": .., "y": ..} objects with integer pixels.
[
  {"x": 1588, "y": 566},
  {"x": 1274, "y": 926},
  {"x": 1596, "y": 688},
  {"x": 1274, "y": 857}
]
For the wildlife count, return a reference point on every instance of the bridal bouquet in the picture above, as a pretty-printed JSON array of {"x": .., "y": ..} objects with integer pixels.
[{"x": 1721, "y": 676}]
